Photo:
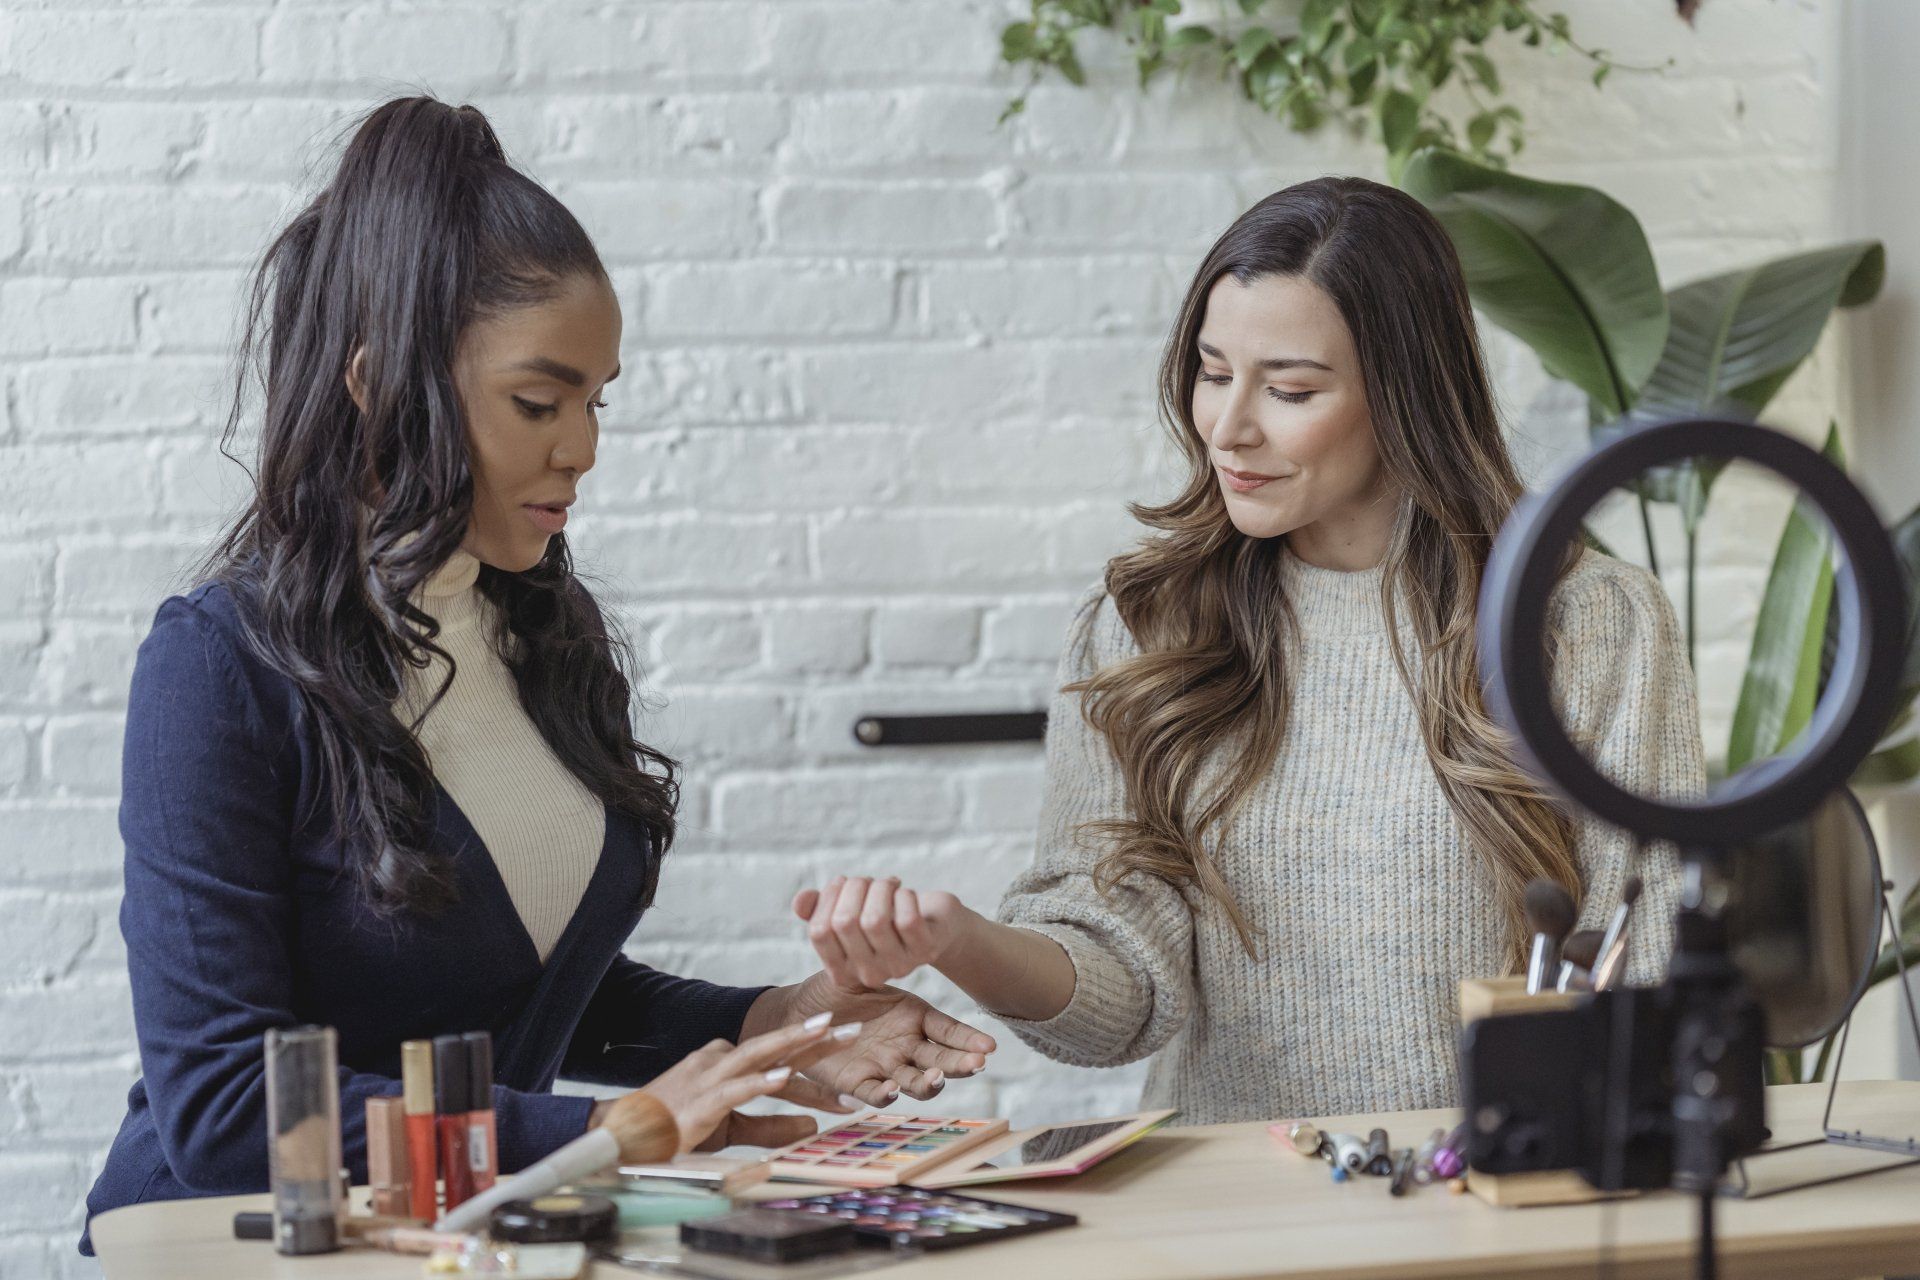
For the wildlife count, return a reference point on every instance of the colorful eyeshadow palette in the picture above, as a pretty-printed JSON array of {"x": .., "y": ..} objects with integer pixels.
[
  {"x": 881, "y": 1150},
  {"x": 912, "y": 1218}
]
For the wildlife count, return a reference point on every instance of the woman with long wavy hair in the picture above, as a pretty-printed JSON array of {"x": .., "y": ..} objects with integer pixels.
[
  {"x": 380, "y": 771},
  {"x": 1278, "y": 825}
]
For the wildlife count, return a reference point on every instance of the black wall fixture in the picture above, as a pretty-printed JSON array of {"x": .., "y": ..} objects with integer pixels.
[{"x": 951, "y": 730}]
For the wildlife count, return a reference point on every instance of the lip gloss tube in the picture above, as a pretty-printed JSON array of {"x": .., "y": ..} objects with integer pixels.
[
  {"x": 482, "y": 1158},
  {"x": 416, "y": 1084},
  {"x": 451, "y": 1096}
]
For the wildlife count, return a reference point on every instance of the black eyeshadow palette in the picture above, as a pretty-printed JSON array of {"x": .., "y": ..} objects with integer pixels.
[{"x": 915, "y": 1219}]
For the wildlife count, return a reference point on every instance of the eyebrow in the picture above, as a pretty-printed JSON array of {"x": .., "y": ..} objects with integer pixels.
[
  {"x": 1275, "y": 363},
  {"x": 555, "y": 369}
]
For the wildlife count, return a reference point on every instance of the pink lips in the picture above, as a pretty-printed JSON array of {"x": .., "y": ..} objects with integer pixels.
[
  {"x": 549, "y": 520},
  {"x": 1244, "y": 481}
]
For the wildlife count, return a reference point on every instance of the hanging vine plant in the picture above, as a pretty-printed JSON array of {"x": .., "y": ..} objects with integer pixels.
[{"x": 1367, "y": 64}]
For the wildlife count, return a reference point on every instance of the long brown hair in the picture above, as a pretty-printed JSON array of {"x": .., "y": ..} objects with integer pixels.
[{"x": 1205, "y": 604}]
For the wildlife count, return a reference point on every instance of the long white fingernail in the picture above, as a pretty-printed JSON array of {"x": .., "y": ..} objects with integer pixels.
[
  {"x": 936, "y": 1076},
  {"x": 850, "y": 1102},
  {"x": 779, "y": 1075},
  {"x": 846, "y": 1031},
  {"x": 817, "y": 1021}
]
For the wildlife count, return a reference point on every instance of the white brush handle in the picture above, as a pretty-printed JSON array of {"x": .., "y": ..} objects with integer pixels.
[
  {"x": 1612, "y": 956},
  {"x": 588, "y": 1154}
]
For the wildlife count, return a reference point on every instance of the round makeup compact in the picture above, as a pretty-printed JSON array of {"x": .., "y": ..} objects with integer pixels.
[{"x": 555, "y": 1219}]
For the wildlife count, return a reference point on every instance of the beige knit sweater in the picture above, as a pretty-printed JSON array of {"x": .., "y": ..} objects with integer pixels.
[
  {"x": 543, "y": 828},
  {"x": 1347, "y": 857}
]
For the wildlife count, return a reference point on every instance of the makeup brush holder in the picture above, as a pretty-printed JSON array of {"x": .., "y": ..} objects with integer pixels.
[{"x": 1491, "y": 998}]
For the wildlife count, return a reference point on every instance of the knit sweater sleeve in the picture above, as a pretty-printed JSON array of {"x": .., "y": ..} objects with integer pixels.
[
  {"x": 1132, "y": 948},
  {"x": 1626, "y": 693}
]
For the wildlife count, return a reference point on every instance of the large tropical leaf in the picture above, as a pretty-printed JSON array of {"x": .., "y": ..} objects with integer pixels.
[
  {"x": 1564, "y": 268},
  {"x": 1734, "y": 338},
  {"x": 1898, "y": 760},
  {"x": 1782, "y": 680}
]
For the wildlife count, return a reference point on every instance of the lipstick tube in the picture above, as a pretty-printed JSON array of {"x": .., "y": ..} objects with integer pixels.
[
  {"x": 416, "y": 1082},
  {"x": 452, "y": 1094},
  {"x": 482, "y": 1157}
]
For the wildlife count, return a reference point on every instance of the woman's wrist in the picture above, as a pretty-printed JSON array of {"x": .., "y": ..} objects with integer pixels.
[
  {"x": 1011, "y": 971},
  {"x": 971, "y": 935},
  {"x": 770, "y": 1010}
]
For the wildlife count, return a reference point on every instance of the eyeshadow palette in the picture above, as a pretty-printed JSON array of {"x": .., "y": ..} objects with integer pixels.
[
  {"x": 881, "y": 1150},
  {"x": 915, "y": 1219}
]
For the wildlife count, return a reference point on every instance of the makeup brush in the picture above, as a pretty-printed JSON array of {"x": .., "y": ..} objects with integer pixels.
[
  {"x": 1550, "y": 915},
  {"x": 1613, "y": 946},
  {"x": 1576, "y": 960}
]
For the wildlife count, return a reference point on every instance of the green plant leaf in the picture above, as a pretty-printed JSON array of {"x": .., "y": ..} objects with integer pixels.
[
  {"x": 1889, "y": 766},
  {"x": 1735, "y": 338},
  {"x": 1017, "y": 43},
  {"x": 1187, "y": 37},
  {"x": 1069, "y": 63},
  {"x": 1782, "y": 679},
  {"x": 1483, "y": 68},
  {"x": 1360, "y": 84},
  {"x": 1906, "y": 546},
  {"x": 1480, "y": 130},
  {"x": 1253, "y": 42},
  {"x": 1600, "y": 74},
  {"x": 1904, "y": 947},
  {"x": 1399, "y": 118},
  {"x": 1564, "y": 268},
  {"x": 1899, "y": 761},
  {"x": 1316, "y": 22}
]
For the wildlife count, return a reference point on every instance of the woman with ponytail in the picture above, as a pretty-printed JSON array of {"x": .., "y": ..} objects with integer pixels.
[
  {"x": 1278, "y": 825},
  {"x": 380, "y": 771}
]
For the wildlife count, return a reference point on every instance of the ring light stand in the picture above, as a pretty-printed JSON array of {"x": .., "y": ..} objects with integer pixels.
[{"x": 1681, "y": 1083}]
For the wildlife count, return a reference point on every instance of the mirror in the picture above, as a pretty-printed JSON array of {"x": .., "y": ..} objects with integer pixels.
[{"x": 1804, "y": 922}]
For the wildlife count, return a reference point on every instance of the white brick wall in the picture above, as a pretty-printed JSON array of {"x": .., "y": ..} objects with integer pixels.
[{"x": 889, "y": 380}]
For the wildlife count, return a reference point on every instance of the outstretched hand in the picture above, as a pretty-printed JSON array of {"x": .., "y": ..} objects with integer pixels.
[{"x": 904, "y": 1045}]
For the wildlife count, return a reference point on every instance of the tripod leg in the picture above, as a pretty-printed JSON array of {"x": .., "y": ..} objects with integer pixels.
[{"x": 1704, "y": 1267}]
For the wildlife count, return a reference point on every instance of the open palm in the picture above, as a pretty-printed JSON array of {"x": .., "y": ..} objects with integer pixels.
[{"x": 905, "y": 1045}]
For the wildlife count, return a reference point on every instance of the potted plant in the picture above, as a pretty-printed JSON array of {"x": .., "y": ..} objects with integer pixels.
[{"x": 1567, "y": 270}]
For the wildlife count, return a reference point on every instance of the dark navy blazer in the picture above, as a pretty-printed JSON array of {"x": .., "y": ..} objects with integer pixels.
[{"x": 241, "y": 914}]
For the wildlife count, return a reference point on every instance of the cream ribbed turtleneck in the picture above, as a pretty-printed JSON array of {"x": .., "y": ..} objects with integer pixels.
[{"x": 541, "y": 825}]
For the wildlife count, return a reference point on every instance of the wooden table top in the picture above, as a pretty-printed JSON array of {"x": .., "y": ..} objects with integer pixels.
[{"x": 1228, "y": 1201}]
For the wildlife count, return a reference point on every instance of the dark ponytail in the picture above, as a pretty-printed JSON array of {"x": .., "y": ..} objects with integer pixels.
[{"x": 424, "y": 229}]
